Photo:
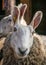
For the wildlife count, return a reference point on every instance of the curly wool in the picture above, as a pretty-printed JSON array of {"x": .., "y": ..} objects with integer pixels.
[{"x": 35, "y": 57}]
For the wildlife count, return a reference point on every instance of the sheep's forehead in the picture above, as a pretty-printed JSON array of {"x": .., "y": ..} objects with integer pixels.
[{"x": 23, "y": 31}]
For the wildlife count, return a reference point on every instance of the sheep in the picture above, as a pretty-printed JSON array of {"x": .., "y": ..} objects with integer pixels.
[
  {"x": 5, "y": 28},
  {"x": 23, "y": 46},
  {"x": 7, "y": 23}
]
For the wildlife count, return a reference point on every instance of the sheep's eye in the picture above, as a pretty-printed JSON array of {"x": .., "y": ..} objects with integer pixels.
[
  {"x": 9, "y": 20},
  {"x": 15, "y": 29}
]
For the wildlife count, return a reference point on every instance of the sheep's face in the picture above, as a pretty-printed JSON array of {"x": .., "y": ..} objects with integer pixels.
[
  {"x": 6, "y": 25},
  {"x": 22, "y": 40}
]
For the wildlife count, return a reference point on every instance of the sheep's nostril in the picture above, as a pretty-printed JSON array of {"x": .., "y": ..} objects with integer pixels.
[
  {"x": 22, "y": 52},
  {"x": 15, "y": 29}
]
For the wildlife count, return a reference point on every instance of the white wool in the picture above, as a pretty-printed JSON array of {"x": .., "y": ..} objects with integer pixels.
[
  {"x": 23, "y": 22},
  {"x": 41, "y": 42}
]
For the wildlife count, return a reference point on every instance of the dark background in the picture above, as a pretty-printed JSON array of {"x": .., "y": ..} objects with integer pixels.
[
  {"x": 40, "y": 5},
  {"x": 36, "y": 5}
]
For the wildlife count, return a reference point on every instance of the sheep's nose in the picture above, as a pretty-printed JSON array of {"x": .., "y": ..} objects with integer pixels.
[{"x": 22, "y": 52}]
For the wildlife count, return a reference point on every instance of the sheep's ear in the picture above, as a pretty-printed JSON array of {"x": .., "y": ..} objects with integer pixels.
[
  {"x": 37, "y": 19},
  {"x": 15, "y": 14},
  {"x": 22, "y": 9}
]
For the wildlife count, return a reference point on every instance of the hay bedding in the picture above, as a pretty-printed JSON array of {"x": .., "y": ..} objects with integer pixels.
[{"x": 35, "y": 57}]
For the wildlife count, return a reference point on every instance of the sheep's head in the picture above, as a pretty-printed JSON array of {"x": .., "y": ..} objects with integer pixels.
[
  {"x": 6, "y": 25},
  {"x": 22, "y": 37}
]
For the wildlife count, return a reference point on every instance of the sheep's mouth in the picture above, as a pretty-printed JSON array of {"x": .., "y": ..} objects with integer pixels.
[{"x": 21, "y": 56}]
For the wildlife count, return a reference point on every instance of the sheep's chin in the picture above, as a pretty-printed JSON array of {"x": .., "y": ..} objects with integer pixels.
[{"x": 19, "y": 56}]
